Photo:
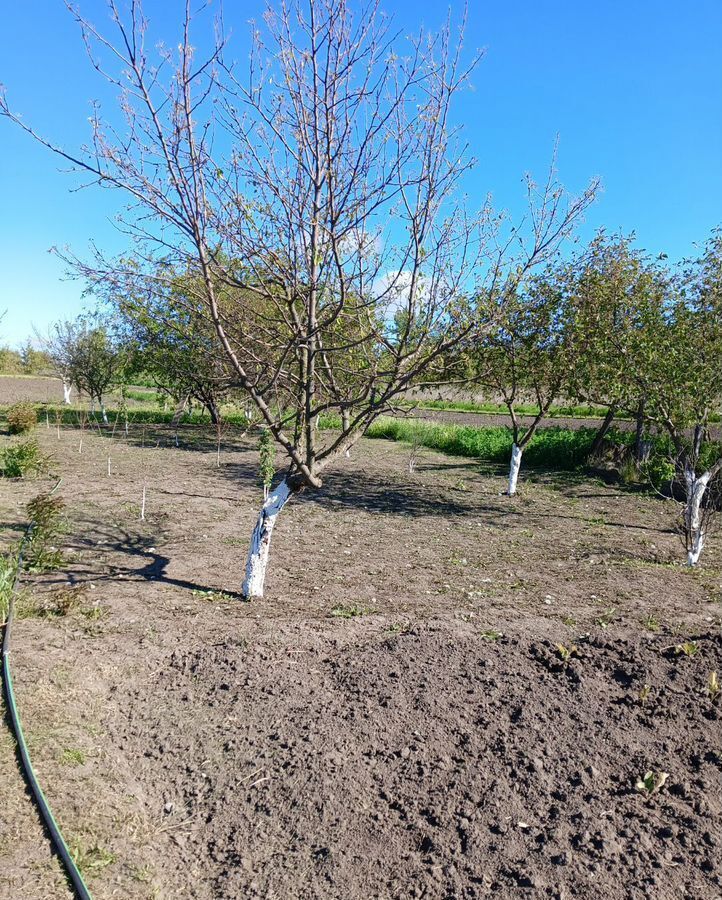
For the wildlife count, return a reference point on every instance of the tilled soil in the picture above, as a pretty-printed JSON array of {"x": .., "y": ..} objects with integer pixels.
[
  {"x": 434, "y": 763},
  {"x": 395, "y": 718}
]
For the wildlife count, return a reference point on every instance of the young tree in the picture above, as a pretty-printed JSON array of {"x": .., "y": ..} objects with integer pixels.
[
  {"x": 85, "y": 356},
  {"x": 325, "y": 188},
  {"x": 34, "y": 361},
  {"x": 529, "y": 354},
  {"x": 654, "y": 341},
  {"x": 175, "y": 343},
  {"x": 684, "y": 388},
  {"x": 59, "y": 344},
  {"x": 619, "y": 293}
]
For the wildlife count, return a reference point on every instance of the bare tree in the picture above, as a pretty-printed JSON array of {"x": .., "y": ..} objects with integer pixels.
[
  {"x": 58, "y": 344},
  {"x": 323, "y": 190}
]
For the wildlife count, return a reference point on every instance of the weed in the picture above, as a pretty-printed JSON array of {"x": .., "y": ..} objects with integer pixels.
[
  {"x": 629, "y": 472},
  {"x": 143, "y": 874},
  {"x": 713, "y": 686},
  {"x": 8, "y": 568},
  {"x": 212, "y": 596},
  {"x": 457, "y": 560},
  {"x": 652, "y": 782},
  {"x": 607, "y": 617},
  {"x": 644, "y": 693},
  {"x": 688, "y": 648},
  {"x": 350, "y": 611},
  {"x": 566, "y": 653},
  {"x": 71, "y": 757},
  {"x": 651, "y": 622},
  {"x": 91, "y": 860},
  {"x": 570, "y": 621},
  {"x": 23, "y": 459},
  {"x": 491, "y": 635},
  {"x": 22, "y": 418},
  {"x": 399, "y": 628}
]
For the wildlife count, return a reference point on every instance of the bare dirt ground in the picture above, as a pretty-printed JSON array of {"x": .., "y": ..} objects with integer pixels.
[
  {"x": 480, "y": 420},
  {"x": 35, "y": 388},
  {"x": 42, "y": 389},
  {"x": 394, "y": 719}
]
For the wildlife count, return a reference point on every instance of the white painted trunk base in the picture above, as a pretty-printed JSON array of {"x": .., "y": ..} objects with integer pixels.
[
  {"x": 261, "y": 541},
  {"x": 514, "y": 467},
  {"x": 67, "y": 388},
  {"x": 696, "y": 488}
]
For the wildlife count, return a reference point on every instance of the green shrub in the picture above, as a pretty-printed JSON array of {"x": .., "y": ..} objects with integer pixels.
[
  {"x": 22, "y": 418},
  {"x": 8, "y": 567},
  {"x": 659, "y": 470},
  {"x": 20, "y": 460},
  {"x": 46, "y": 514}
]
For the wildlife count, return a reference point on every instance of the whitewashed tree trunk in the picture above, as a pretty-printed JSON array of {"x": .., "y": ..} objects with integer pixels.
[
  {"x": 514, "y": 467},
  {"x": 104, "y": 413},
  {"x": 261, "y": 541},
  {"x": 67, "y": 388},
  {"x": 693, "y": 517}
]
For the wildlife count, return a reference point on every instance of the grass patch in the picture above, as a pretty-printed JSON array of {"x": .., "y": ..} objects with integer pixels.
[
  {"x": 583, "y": 411},
  {"x": 553, "y": 447},
  {"x": 348, "y": 611},
  {"x": 91, "y": 860},
  {"x": 72, "y": 757}
]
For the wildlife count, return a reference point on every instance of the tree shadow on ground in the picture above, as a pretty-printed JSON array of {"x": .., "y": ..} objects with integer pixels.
[
  {"x": 140, "y": 559},
  {"x": 361, "y": 491}
]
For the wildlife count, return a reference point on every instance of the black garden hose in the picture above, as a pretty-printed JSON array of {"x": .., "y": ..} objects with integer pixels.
[{"x": 56, "y": 838}]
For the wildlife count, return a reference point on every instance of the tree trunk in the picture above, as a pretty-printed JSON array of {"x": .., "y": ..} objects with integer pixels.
[
  {"x": 693, "y": 515},
  {"x": 214, "y": 412},
  {"x": 516, "y": 453},
  {"x": 67, "y": 388},
  {"x": 261, "y": 541},
  {"x": 639, "y": 434},
  {"x": 603, "y": 431},
  {"x": 104, "y": 412},
  {"x": 345, "y": 422}
]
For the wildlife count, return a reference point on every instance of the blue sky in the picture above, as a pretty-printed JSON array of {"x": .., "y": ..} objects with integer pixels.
[{"x": 634, "y": 91}]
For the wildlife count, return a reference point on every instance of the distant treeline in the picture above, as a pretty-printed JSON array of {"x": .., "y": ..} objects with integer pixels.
[{"x": 26, "y": 361}]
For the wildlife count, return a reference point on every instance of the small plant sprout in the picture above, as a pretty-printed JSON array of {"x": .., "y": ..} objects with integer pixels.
[
  {"x": 688, "y": 648},
  {"x": 644, "y": 693},
  {"x": 714, "y": 689},
  {"x": 652, "y": 782},
  {"x": 566, "y": 653},
  {"x": 267, "y": 462},
  {"x": 399, "y": 628},
  {"x": 491, "y": 635},
  {"x": 651, "y": 622},
  {"x": 607, "y": 617},
  {"x": 414, "y": 451}
]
